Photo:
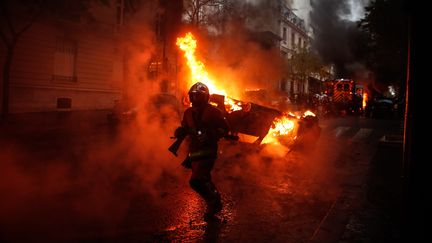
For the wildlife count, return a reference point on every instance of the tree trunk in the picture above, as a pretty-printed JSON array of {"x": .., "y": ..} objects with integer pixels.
[{"x": 6, "y": 81}]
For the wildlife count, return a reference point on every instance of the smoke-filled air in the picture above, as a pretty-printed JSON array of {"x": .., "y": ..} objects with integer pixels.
[{"x": 91, "y": 184}]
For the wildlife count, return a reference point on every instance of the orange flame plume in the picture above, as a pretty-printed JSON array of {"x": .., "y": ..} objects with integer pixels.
[{"x": 188, "y": 45}]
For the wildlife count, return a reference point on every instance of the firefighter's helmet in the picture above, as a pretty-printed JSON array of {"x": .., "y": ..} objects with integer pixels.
[{"x": 199, "y": 94}]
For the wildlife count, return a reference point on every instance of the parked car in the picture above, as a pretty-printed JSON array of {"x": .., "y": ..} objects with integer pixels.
[
  {"x": 165, "y": 107},
  {"x": 162, "y": 106},
  {"x": 121, "y": 112},
  {"x": 382, "y": 108}
]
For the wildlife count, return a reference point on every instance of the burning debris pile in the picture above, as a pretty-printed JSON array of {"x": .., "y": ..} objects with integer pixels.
[{"x": 260, "y": 124}]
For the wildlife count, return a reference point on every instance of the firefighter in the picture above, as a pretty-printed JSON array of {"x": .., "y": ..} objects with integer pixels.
[{"x": 204, "y": 125}]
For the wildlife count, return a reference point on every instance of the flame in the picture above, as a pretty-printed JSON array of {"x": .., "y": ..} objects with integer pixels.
[
  {"x": 305, "y": 114},
  {"x": 188, "y": 45},
  {"x": 308, "y": 113},
  {"x": 232, "y": 105},
  {"x": 283, "y": 126},
  {"x": 364, "y": 101}
]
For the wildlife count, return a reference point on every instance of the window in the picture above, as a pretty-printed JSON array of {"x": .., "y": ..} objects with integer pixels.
[
  {"x": 291, "y": 86},
  {"x": 346, "y": 87},
  {"x": 158, "y": 26},
  {"x": 283, "y": 85},
  {"x": 64, "y": 60},
  {"x": 120, "y": 10},
  {"x": 284, "y": 34},
  {"x": 154, "y": 69},
  {"x": 292, "y": 40},
  {"x": 64, "y": 103}
]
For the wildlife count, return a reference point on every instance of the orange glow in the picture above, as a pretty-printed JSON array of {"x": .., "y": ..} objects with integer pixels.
[
  {"x": 188, "y": 45},
  {"x": 308, "y": 113},
  {"x": 282, "y": 127},
  {"x": 364, "y": 101},
  {"x": 232, "y": 105}
]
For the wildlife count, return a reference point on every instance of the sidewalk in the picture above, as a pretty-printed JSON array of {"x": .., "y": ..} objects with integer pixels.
[
  {"x": 23, "y": 123},
  {"x": 379, "y": 217},
  {"x": 370, "y": 207}
]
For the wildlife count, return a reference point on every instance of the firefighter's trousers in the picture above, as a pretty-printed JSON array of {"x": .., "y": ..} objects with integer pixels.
[{"x": 201, "y": 183}]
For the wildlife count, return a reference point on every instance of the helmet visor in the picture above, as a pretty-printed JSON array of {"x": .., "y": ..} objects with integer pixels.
[{"x": 198, "y": 98}]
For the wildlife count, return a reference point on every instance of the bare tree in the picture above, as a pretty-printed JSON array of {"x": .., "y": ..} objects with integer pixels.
[
  {"x": 304, "y": 64},
  {"x": 208, "y": 13}
]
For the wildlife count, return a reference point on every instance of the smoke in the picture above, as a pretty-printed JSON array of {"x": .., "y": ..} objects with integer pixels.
[
  {"x": 336, "y": 36},
  {"x": 90, "y": 181},
  {"x": 53, "y": 195},
  {"x": 243, "y": 57},
  {"x": 93, "y": 177},
  {"x": 303, "y": 176},
  {"x": 54, "y": 185},
  {"x": 241, "y": 63},
  {"x": 302, "y": 9},
  {"x": 87, "y": 177}
]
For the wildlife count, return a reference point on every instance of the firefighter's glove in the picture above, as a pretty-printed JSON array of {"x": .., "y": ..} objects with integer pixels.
[
  {"x": 220, "y": 133},
  {"x": 187, "y": 163},
  {"x": 180, "y": 132}
]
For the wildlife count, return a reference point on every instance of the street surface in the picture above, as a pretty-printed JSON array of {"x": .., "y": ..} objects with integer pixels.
[{"x": 93, "y": 183}]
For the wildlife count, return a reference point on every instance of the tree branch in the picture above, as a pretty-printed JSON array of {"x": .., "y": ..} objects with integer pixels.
[
  {"x": 30, "y": 23},
  {"x": 4, "y": 38},
  {"x": 7, "y": 17},
  {"x": 206, "y": 2}
]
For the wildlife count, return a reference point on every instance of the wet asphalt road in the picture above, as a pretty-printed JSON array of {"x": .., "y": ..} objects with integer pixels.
[{"x": 270, "y": 194}]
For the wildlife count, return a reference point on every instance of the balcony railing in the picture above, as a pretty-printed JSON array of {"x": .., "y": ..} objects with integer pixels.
[{"x": 288, "y": 15}]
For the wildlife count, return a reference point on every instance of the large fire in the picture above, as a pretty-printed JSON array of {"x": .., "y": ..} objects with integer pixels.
[
  {"x": 188, "y": 45},
  {"x": 283, "y": 127}
]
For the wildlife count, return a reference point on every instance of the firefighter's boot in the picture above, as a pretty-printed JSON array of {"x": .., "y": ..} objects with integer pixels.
[
  {"x": 214, "y": 202},
  {"x": 210, "y": 194}
]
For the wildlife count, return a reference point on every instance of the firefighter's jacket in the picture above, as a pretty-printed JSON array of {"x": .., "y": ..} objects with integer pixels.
[{"x": 207, "y": 125}]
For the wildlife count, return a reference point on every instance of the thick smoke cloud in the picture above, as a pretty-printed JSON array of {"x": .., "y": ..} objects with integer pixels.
[
  {"x": 55, "y": 185},
  {"x": 89, "y": 182},
  {"x": 241, "y": 63},
  {"x": 336, "y": 38}
]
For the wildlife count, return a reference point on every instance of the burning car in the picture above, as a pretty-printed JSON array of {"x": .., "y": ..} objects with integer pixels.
[
  {"x": 261, "y": 124},
  {"x": 268, "y": 125}
]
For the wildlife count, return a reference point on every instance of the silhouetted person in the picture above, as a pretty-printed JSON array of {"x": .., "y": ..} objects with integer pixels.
[{"x": 204, "y": 125}]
